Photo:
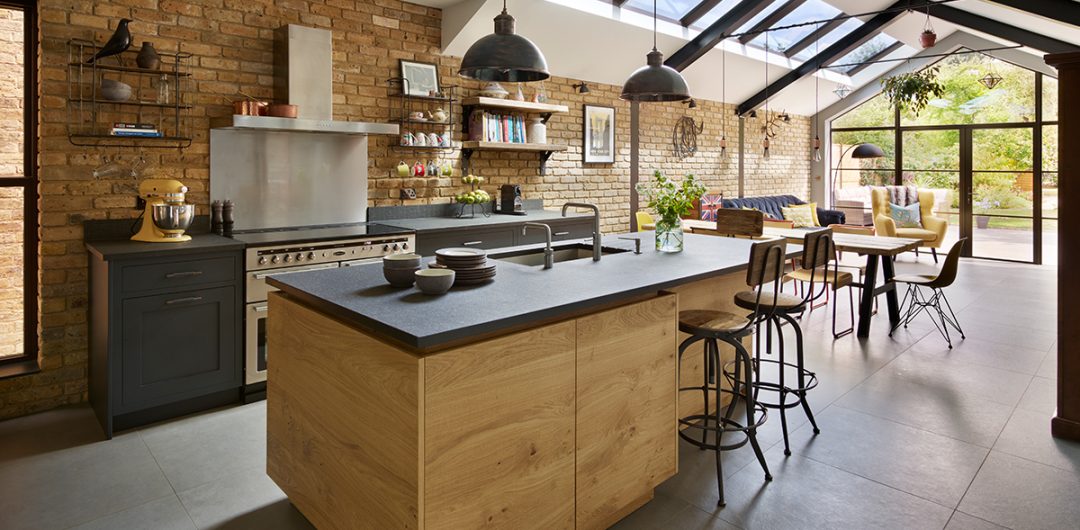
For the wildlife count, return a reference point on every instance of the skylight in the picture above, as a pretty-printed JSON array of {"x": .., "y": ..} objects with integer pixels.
[
  {"x": 782, "y": 39},
  {"x": 869, "y": 49},
  {"x": 829, "y": 39},
  {"x": 672, "y": 10}
]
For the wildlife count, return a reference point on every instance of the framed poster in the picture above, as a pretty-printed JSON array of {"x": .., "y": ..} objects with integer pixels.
[
  {"x": 421, "y": 79},
  {"x": 599, "y": 138}
]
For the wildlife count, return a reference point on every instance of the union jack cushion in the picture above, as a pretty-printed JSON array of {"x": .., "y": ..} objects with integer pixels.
[{"x": 709, "y": 205}]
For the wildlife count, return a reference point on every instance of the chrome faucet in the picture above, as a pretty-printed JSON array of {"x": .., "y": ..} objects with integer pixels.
[
  {"x": 596, "y": 225},
  {"x": 549, "y": 254}
]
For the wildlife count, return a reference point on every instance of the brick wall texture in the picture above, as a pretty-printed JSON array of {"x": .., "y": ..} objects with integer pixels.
[{"x": 231, "y": 41}]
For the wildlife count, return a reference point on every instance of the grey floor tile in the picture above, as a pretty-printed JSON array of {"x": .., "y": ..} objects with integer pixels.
[
  {"x": 918, "y": 462},
  {"x": 808, "y": 494},
  {"x": 1027, "y": 435},
  {"x": 944, "y": 409},
  {"x": 1019, "y": 493},
  {"x": 984, "y": 382},
  {"x": 165, "y": 513},
  {"x": 1048, "y": 368},
  {"x": 247, "y": 499},
  {"x": 693, "y": 518},
  {"x": 1041, "y": 396},
  {"x": 963, "y": 521},
  {"x": 696, "y": 480},
  {"x": 976, "y": 351},
  {"x": 54, "y": 430},
  {"x": 1012, "y": 335},
  {"x": 66, "y": 487},
  {"x": 206, "y": 447},
  {"x": 655, "y": 515}
]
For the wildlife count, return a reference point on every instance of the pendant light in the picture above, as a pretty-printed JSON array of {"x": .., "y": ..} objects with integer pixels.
[
  {"x": 504, "y": 56},
  {"x": 815, "y": 149},
  {"x": 765, "y": 142},
  {"x": 723, "y": 103},
  {"x": 842, "y": 91},
  {"x": 991, "y": 79},
  {"x": 655, "y": 81}
]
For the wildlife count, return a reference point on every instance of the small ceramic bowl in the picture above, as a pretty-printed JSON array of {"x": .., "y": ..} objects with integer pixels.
[
  {"x": 112, "y": 90},
  {"x": 435, "y": 281},
  {"x": 400, "y": 277},
  {"x": 402, "y": 261}
]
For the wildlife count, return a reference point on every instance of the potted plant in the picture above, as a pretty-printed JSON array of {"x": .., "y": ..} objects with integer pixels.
[
  {"x": 670, "y": 201},
  {"x": 912, "y": 91},
  {"x": 981, "y": 207},
  {"x": 928, "y": 38}
]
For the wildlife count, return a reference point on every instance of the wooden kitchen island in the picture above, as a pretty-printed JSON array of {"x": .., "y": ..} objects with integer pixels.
[{"x": 545, "y": 399}]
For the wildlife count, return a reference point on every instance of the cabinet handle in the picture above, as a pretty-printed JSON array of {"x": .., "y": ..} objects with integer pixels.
[
  {"x": 187, "y": 274},
  {"x": 260, "y": 309},
  {"x": 471, "y": 243},
  {"x": 187, "y": 300},
  {"x": 557, "y": 234}
]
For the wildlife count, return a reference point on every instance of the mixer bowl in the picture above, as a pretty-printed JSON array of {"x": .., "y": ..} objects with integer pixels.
[{"x": 173, "y": 217}]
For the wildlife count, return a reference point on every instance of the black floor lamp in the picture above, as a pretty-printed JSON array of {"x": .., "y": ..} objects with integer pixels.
[{"x": 859, "y": 151}]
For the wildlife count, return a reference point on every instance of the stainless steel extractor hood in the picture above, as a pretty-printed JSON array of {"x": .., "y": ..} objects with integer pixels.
[{"x": 303, "y": 76}]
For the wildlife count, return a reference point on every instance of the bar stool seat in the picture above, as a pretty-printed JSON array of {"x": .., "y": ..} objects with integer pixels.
[
  {"x": 784, "y": 302},
  {"x": 708, "y": 323},
  {"x": 837, "y": 281}
]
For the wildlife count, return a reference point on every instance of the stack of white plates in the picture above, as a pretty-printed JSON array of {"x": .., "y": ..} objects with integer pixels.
[{"x": 470, "y": 264}]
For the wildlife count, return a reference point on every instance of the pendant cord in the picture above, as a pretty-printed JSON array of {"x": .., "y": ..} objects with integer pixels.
[
  {"x": 653, "y": 25},
  {"x": 817, "y": 87},
  {"x": 723, "y": 91}
]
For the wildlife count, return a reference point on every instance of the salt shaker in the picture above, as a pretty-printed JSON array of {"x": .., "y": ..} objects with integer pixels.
[
  {"x": 216, "y": 220},
  {"x": 227, "y": 210}
]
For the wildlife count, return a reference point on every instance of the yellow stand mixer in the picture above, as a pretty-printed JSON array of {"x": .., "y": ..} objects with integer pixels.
[{"x": 165, "y": 216}]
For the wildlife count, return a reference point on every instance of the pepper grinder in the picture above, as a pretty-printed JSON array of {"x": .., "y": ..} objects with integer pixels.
[
  {"x": 227, "y": 218},
  {"x": 216, "y": 221}
]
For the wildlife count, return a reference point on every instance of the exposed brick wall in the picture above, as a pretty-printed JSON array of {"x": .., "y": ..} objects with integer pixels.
[{"x": 232, "y": 44}]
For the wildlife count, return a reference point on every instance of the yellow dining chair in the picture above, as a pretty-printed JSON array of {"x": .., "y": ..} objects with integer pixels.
[{"x": 645, "y": 221}]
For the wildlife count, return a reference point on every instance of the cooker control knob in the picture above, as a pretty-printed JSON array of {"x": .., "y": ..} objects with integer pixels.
[
  {"x": 262, "y": 260},
  {"x": 288, "y": 258},
  {"x": 299, "y": 256},
  {"x": 310, "y": 256},
  {"x": 405, "y": 246},
  {"x": 386, "y": 248},
  {"x": 274, "y": 259},
  {"x": 396, "y": 246}
]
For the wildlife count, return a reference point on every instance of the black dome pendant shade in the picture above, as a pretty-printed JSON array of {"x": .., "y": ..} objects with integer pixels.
[
  {"x": 655, "y": 81},
  {"x": 504, "y": 56}
]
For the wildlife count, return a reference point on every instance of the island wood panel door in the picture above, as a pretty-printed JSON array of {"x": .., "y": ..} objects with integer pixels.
[
  {"x": 499, "y": 432},
  {"x": 712, "y": 293},
  {"x": 627, "y": 442},
  {"x": 343, "y": 422}
]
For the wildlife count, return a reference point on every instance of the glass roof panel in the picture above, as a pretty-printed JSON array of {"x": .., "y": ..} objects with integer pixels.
[
  {"x": 829, "y": 39},
  {"x": 864, "y": 52},
  {"x": 776, "y": 4},
  {"x": 813, "y": 10},
  {"x": 669, "y": 9},
  {"x": 715, "y": 14}
]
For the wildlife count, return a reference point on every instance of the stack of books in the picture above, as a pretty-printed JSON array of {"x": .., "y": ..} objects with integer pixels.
[
  {"x": 491, "y": 127},
  {"x": 140, "y": 130}
]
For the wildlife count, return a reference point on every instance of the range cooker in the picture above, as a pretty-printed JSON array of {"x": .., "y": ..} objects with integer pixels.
[{"x": 274, "y": 252}]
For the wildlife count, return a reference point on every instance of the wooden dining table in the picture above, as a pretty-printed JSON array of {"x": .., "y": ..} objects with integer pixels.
[{"x": 879, "y": 252}]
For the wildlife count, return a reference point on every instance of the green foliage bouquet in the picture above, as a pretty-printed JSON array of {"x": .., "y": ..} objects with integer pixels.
[
  {"x": 671, "y": 200},
  {"x": 913, "y": 91}
]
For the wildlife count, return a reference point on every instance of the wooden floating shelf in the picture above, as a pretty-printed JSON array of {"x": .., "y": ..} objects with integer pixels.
[
  {"x": 428, "y": 98},
  {"x": 426, "y": 122},
  {"x": 512, "y": 104},
  {"x": 507, "y": 146}
]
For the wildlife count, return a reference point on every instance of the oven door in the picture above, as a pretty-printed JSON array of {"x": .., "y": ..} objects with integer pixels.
[
  {"x": 256, "y": 280},
  {"x": 356, "y": 262},
  {"x": 255, "y": 343}
]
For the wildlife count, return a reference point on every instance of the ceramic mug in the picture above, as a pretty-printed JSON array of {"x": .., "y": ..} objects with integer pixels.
[
  {"x": 432, "y": 169},
  {"x": 418, "y": 115},
  {"x": 419, "y": 169},
  {"x": 403, "y": 169},
  {"x": 407, "y": 139},
  {"x": 445, "y": 140},
  {"x": 447, "y": 169},
  {"x": 420, "y": 140},
  {"x": 434, "y": 140}
]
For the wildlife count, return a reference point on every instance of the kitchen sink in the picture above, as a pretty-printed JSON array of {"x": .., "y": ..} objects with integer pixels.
[{"x": 535, "y": 257}]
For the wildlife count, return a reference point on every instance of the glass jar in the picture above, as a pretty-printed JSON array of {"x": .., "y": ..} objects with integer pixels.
[{"x": 669, "y": 235}]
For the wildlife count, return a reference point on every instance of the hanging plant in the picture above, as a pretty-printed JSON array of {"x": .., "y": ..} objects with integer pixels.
[
  {"x": 912, "y": 91},
  {"x": 928, "y": 37}
]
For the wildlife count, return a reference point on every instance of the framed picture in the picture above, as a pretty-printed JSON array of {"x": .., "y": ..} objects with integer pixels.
[
  {"x": 599, "y": 138},
  {"x": 421, "y": 79}
]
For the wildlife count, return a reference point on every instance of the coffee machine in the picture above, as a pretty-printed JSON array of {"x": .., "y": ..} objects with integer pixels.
[
  {"x": 510, "y": 200},
  {"x": 165, "y": 215}
]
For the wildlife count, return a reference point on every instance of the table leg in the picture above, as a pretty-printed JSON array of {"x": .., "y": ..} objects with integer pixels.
[
  {"x": 866, "y": 306},
  {"x": 888, "y": 270}
]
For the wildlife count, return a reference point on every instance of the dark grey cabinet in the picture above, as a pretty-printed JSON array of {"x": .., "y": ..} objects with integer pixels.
[
  {"x": 165, "y": 335},
  {"x": 503, "y": 235}
]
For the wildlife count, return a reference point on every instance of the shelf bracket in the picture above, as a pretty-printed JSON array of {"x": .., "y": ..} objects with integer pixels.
[
  {"x": 544, "y": 156},
  {"x": 466, "y": 154},
  {"x": 466, "y": 111},
  {"x": 545, "y": 117}
]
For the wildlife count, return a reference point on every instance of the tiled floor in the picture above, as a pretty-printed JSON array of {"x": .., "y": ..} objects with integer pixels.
[{"x": 912, "y": 436}]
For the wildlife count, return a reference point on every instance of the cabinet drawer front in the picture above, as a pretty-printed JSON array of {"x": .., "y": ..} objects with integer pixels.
[
  {"x": 178, "y": 345},
  {"x": 179, "y": 274},
  {"x": 490, "y": 238}
]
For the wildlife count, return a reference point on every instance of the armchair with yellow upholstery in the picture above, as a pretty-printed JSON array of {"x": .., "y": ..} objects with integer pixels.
[{"x": 932, "y": 232}]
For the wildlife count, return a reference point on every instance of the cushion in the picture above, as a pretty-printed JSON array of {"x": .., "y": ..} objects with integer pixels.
[
  {"x": 813, "y": 210},
  {"x": 771, "y": 205},
  {"x": 905, "y": 216},
  {"x": 709, "y": 204},
  {"x": 801, "y": 216},
  {"x": 917, "y": 233}
]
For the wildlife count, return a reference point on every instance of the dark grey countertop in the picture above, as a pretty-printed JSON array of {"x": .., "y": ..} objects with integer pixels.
[
  {"x": 434, "y": 224},
  {"x": 520, "y": 296},
  {"x": 128, "y": 249}
]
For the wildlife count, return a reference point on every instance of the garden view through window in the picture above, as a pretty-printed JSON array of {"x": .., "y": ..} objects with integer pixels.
[
  {"x": 13, "y": 188},
  {"x": 988, "y": 154}
]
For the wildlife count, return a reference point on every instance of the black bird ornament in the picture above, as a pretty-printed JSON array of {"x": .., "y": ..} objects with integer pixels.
[{"x": 117, "y": 44}]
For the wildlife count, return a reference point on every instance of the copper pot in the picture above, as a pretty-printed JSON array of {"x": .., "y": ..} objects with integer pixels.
[
  {"x": 283, "y": 110},
  {"x": 249, "y": 107}
]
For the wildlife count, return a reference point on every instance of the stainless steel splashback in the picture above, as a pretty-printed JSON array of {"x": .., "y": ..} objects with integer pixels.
[{"x": 282, "y": 179}]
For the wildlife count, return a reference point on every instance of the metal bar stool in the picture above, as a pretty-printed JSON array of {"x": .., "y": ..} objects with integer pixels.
[
  {"x": 766, "y": 266},
  {"x": 818, "y": 251}
]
